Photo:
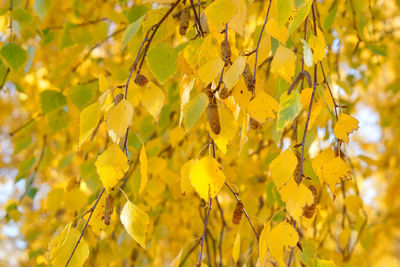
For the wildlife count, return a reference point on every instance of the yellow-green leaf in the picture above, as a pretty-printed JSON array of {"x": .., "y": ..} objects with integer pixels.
[
  {"x": 153, "y": 100},
  {"x": 136, "y": 222},
  {"x": 61, "y": 246},
  {"x": 118, "y": 119},
  {"x": 143, "y": 169},
  {"x": 282, "y": 167},
  {"x": 111, "y": 166},
  {"x": 220, "y": 12},
  {"x": 89, "y": 118},
  {"x": 207, "y": 177}
]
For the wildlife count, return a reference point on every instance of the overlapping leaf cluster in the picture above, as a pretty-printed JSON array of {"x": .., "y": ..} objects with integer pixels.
[{"x": 140, "y": 128}]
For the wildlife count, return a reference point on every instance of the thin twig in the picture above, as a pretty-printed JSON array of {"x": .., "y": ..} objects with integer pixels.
[
  {"x": 11, "y": 20},
  {"x": 355, "y": 27},
  {"x": 86, "y": 224},
  {"x": 259, "y": 41},
  {"x": 12, "y": 133},
  {"x": 83, "y": 24},
  {"x": 197, "y": 19},
  {"x": 188, "y": 254},
  {"x": 221, "y": 235},
  {"x": 310, "y": 106},
  {"x": 225, "y": 57},
  {"x": 153, "y": 30},
  {"x": 87, "y": 55},
  {"x": 204, "y": 231},
  {"x": 244, "y": 210},
  {"x": 30, "y": 181},
  {"x": 302, "y": 74}
]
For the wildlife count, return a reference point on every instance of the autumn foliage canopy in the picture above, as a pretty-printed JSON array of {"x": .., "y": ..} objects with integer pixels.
[{"x": 199, "y": 133}]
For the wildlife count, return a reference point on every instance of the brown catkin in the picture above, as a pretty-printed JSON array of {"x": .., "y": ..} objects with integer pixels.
[
  {"x": 228, "y": 51},
  {"x": 184, "y": 21},
  {"x": 141, "y": 80},
  {"x": 224, "y": 93},
  {"x": 254, "y": 124},
  {"x": 118, "y": 98},
  {"x": 237, "y": 214},
  {"x": 213, "y": 117},
  {"x": 108, "y": 208},
  {"x": 308, "y": 211},
  {"x": 248, "y": 78}
]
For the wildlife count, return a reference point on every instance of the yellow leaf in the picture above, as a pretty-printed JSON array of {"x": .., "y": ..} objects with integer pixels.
[
  {"x": 241, "y": 95},
  {"x": 186, "y": 87},
  {"x": 206, "y": 177},
  {"x": 232, "y": 75},
  {"x": 263, "y": 106},
  {"x": 220, "y": 12},
  {"x": 243, "y": 132},
  {"x": 326, "y": 263},
  {"x": 175, "y": 262},
  {"x": 353, "y": 203},
  {"x": 262, "y": 243},
  {"x": 118, "y": 119},
  {"x": 317, "y": 44},
  {"x": 334, "y": 171},
  {"x": 263, "y": 51},
  {"x": 143, "y": 169},
  {"x": 61, "y": 246},
  {"x": 296, "y": 197},
  {"x": 229, "y": 128},
  {"x": 88, "y": 121},
  {"x": 210, "y": 70},
  {"x": 54, "y": 199},
  {"x": 238, "y": 21},
  {"x": 284, "y": 63},
  {"x": 282, "y": 237},
  {"x": 278, "y": 32},
  {"x": 319, "y": 161},
  {"x": 176, "y": 135},
  {"x": 186, "y": 186},
  {"x": 75, "y": 200},
  {"x": 306, "y": 97},
  {"x": 315, "y": 111},
  {"x": 345, "y": 126},
  {"x": 134, "y": 94},
  {"x": 111, "y": 166},
  {"x": 282, "y": 167},
  {"x": 153, "y": 100},
  {"x": 136, "y": 222},
  {"x": 97, "y": 221},
  {"x": 103, "y": 83},
  {"x": 236, "y": 248}
]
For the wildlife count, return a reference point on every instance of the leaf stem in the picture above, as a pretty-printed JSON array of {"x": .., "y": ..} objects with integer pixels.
[{"x": 204, "y": 231}]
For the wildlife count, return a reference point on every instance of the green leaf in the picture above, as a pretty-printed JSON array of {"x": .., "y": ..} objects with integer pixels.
[
  {"x": 330, "y": 18},
  {"x": 136, "y": 12},
  {"x": 81, "y": 95},
  {"x": 21, "y": 144},
  {"x": 51, "y": 100},
  {"x": 289, "y": 108},
  {"x": 42, "y": 7},
  {"x": 21, "y": 15},
  {"x": 14, "y": 55},
  {"x": 130, "y": 32},
  {"x": 32, "y": 192},
  {"x": 300, "y": 16},
  {"x": 285, "y": 8},
  {"x": 24, "y": 167},
  {"x": 220, "y": 12},
  {"x": 31, "y": 52},
  {"x": 162, "y": 61},
  {"x": 307, "y": 54},
  {"x": 58, "y": 120},
  {"x": 193, "y": 110},
  {"x": 378, "y": 50}
]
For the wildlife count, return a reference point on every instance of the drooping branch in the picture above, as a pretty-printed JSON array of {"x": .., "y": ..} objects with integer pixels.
[
  {"x": 259, "y": 41},
  {"x": 221, "y": 235},
  {"x": 147, "y": 40},
  {"x": 86, "y": 224},
  {"x": 302, "y": 74},
  {"x": 197, "y": 22},
  {"x": 311, "y": 103},
  {"x": 32, "y": 177},
  {"x": 204, "y": 231},
  {"x": 244, "y": 210},
  {"x": 225, "y": 57}
]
